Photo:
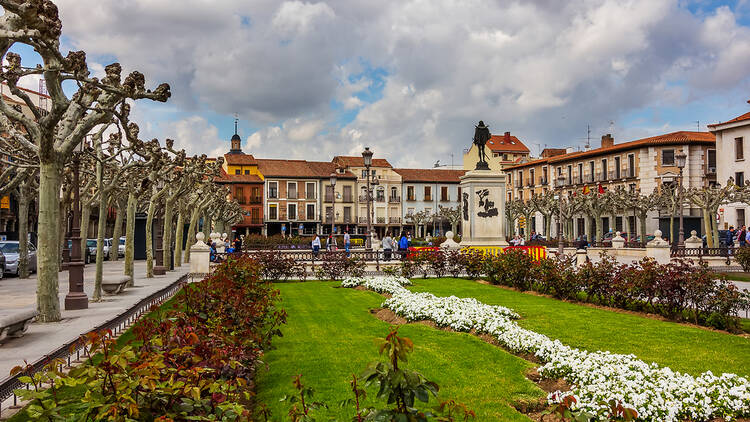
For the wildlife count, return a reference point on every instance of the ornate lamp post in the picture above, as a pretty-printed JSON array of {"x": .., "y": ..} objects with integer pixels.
[
  {"x": 367, "y": 156},
  {"x": 332, "y": 179},
  {"x": 76, "y": 298},
  {"x": 680, "y": 159},
  {"x": 560, "y": 246}
]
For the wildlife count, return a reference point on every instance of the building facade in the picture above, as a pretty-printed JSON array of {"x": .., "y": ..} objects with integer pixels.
[
  {"x": 732, "y": 140},
  {"x": 427, "y": 190},
  {"x": 240, "y": 173},
  {"x": 502, "y": 151},
  {"x": 642, "y": 165},
  {"x": 385, "y": 212}
]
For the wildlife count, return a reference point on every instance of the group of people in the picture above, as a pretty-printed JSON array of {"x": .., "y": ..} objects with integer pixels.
[
  {"x": 389, "y": 244},
  {"x": 229, "y": 247},
  {"x": 739, "y": 237}
]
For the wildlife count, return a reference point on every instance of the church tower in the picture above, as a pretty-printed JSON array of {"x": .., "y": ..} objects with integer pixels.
[{"x": 236, "y": 142}]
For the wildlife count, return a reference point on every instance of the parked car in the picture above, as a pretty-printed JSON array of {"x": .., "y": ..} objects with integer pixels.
[
  {"x": 87, "y": 253},
  {"x": 9, "y": 248},
  {"x": 607, "y": 238},
  {"x": 121, "y": 247},
  {"x": 2, "y": 265},
  {"x": 91, "y": 246},
  {"x": 722, "y": 239}
]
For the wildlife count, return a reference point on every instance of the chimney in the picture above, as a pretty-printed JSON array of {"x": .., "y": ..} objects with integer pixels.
[
  {"x": 608, "y": 141},
  {"x": 507, "y": 137}
]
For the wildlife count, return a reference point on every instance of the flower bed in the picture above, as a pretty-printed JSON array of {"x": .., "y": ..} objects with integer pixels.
[{"x": 656, "y": 393}]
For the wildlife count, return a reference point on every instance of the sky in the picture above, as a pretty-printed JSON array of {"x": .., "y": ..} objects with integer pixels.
[{"x": 411, "y": 78}]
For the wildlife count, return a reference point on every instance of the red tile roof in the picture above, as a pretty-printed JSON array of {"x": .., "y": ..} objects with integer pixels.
[
  {"x": 506, "y": 143},
  {"x": 240, "y": 159},
  {"x": 674, "y": 138},
  {"x": 741, "y": 118},
  {"x": 344, "y": 161},
  {"x": 430, "y": 175},
  {"x": 301, "y": 169}
]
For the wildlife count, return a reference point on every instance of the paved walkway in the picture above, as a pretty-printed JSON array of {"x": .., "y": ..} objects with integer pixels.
[{"x": 42, "y": 338}]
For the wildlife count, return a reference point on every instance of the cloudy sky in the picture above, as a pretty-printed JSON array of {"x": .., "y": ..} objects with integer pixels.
[{"x": 410, "y": 78}]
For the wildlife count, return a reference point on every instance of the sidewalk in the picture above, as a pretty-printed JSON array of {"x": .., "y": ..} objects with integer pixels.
[{"x": 41, "y": 338}]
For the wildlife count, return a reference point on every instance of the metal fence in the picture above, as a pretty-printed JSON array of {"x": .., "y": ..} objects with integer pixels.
[{"x": 72, "y": 351}]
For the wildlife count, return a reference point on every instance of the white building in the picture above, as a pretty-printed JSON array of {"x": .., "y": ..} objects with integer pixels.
[
  {"x": 428, "y": 190},
  {"x": 732, "y": 140}
]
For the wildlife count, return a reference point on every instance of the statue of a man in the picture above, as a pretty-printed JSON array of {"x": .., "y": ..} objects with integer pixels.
[{"x": 481, "y": 136}]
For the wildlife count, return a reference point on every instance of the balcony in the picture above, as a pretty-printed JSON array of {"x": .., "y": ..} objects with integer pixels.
[
  {"x": 544, "y": 181},
  {"x": 310, "y": 217},
  {"x": 362, "y": 198},
  {"x": 380, "y": 220},
  {"x": 362, "y": 220},
  {"x": 630, "y": 173},
  {"x": 411, "y": 198},
  {"x": 601, "y": 176},
  {"x": 256, "y": 200},
  {"x": 394, "y": 220},
  {"x": 613, "y": 175},
  {"x": 518, "y": 183},
  {"x": 710, "y": 171},
  {"x": 530, "y": 183},
  {"x": 394, "y": 199},
  {"x": 380, "y": 199},
  {"x": 589, "y": 178}
]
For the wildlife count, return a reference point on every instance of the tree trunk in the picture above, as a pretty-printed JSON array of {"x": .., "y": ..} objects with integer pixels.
[
  {"x": 149, "y": 240},
  {"x": 167, "y": 233},
  {"x": 85, "y": 219},
  {"x": 642, "y": 219},
  {"x": 179, "y": 233},
  {"x": 598, "y": 225},
  {"x": 191, "y": 232},
  {"x": 129, "y": 236},
  {"x": 101, "y": 227},
  {"x": 23, "y": 229},
  {"x": 548, "y": 228},
  {"x": 116, "y": 233},
  {"x": 48, "y": 258},
  {"x": 707, "y": 227},
  {"x": 206, "y": 227}
]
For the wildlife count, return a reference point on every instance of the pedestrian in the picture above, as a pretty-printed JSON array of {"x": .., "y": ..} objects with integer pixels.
[
  {"x": 729, "y": 239},
  {"x": 228, "y": 246},
  {"x": 316, "y": 245},
  {"x": 403, "y": 245},
  {"x": 331, "y": 244},
  {"x": 387, "y": 246},
  {"x": 347, "y": 243},
  {"x": 741, "y": 236},
  {"x": 237, "y": 243},
  {"x": 747, "y": 237}
]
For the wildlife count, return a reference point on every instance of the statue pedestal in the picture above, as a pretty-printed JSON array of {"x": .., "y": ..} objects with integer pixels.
[{"x": 483, "y": 208}]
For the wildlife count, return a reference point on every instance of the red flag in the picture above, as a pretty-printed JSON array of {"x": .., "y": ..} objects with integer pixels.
[
  {"x": 586, "y": 190},
  {"x": 601, "y": 189}
]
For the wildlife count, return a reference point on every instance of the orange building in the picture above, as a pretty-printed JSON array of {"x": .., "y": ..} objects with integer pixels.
[{"x": 240, "y": 172}]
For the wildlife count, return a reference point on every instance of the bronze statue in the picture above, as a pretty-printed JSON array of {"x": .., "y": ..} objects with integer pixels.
[{"x": 481, "y": 136}]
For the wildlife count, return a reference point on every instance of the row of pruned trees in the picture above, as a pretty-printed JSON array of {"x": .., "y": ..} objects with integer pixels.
[
  {"x": 621, "y": 201},
  {"x": 449, "y": 215},
  {"x": 88, "y": 123}
]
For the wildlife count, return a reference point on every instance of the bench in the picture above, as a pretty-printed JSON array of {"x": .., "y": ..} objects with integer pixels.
[
  {"x": 114, "y": 285},
  {"x": 15, "y": 324}
]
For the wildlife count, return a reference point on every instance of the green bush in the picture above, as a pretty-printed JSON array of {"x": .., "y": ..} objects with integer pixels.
[{"x": 742, "y": 255}]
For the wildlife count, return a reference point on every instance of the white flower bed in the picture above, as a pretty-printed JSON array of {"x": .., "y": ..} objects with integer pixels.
[{"x": 656, "y": 393}]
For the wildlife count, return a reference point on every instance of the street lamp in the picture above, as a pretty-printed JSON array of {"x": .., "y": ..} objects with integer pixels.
[
  {"x": 76, "y": 297},
  {"x": 367, "y": 156},
  {"x": 681, "y": 159},
  {"x": 332, "y": 179},
  {"x": 560, "y": 246}
]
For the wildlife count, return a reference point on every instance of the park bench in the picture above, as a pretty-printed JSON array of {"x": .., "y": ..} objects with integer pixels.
[
  {"x": 15, "y": 323},
  {"x": 114, "y": 285}
]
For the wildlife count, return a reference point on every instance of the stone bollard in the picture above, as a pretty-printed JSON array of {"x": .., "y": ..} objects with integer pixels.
[
  {"x": 658, "y": 249},
  {"x": 693, "y": 241},
  {"x": 581, "y": 257},
  {"x": 449, "y": 243},
  {"x": 618, "y": 241},
  {"x": 200, "y": 256}
]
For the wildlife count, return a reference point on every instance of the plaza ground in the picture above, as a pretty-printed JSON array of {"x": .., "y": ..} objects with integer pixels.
[{"x": 330, "y": 332}]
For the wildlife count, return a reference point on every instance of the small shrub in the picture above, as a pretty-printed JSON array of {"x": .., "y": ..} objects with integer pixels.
[
  {"x": 474, "y": 261},
  {"x": 437, "y": 262},
  {"x": 455, "y": 261},
  {"x": 742, "y": 255}
]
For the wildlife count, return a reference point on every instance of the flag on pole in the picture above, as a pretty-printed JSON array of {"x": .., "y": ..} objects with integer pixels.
[
  {"x": 586, "y": 190},
  {"x": 601, "y": 189}
]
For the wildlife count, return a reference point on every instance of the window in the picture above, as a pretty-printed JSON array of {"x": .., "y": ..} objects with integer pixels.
[
  {"x": 291, "y": 190},
  {"x": 631, "y": 165},
  {"x": 273, "y": 212},
  {"x": 329, "y": 193},
  {"x": 247, "y": 171},
  {"x": 311, "y": 211},
  {"x": 495, "y": 154},
  {"x": 520, "y": 178},
  {"x": 255, "y": 216},
  {"x": 348, "y": 194},
  {"x": 372, "y": 172},
  {"x": 237, "y": 171},
  {"x": 459, "y": 194},
  {"x": 239, "y": 195},
  {"x": 667, "y": 157},
  {"x": 410, "y": 211},
  {"x": 364, "y": 174},
  {"x": 428, "y": 193},
  {"x": 273, "y": 190},
  {"x": 532, "y": 180},
  {"x": 410, "y": 193},
  {"x": 255, "y": 198},
  {"x": 444, "y": 193},
  {"x": 632, "y": 188},
  {"x": 591, "y": 171},
  {"x": 329, "y": 214},
  {"x": 740, "y": 217},
  {"x": 617, "y": 167},
  {"x": 739, "y": 178},
  {"x": 570, "y": 174},
  {"x": 505, "y": 157},
  {"x": 711, "y": 161},
  {"x": 394, "y": 192},
  {"x": 291, "y": 212},
  {"x": 739, "y": 149},
  {"x": 380, "y": 194},
  {"x": 347, "y": 214},
  {"x": 544, "y": 176},
  {"x": 605, "y": 169},
  {"x": 310, "y": 190},
  {"x": 580, "y": 172}
]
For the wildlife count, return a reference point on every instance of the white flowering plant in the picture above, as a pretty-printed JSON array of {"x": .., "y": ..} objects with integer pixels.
[{"x": 598, "y": 378}]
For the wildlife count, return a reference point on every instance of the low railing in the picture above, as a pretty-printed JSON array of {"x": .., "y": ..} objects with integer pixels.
[
  {"x": 691, "y": 252},
  {"x": 74, "y": 350}
]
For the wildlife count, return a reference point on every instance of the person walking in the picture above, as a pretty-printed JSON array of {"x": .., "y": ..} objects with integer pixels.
[
  {"x": 316, "y": 245},
  {"x": 403, "y": 245},
  {"x": 237, "y": 243},
  {"x": 387, "y": 246},
  {"x": 331, "y": 244},
  {"x": 741, "y": 236},
  {"x": 347, "y": 243},
  {"x": 729, "y": 238}
]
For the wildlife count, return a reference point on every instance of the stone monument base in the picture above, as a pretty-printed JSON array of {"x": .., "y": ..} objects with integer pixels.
[{"x": 483, "y": 209}]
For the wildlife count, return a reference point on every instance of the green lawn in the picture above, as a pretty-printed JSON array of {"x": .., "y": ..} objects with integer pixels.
[
  {"x": 738, "y": 276},
  {"x": 682, "y": 348},
  {"x": 329, "y": 336}
]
